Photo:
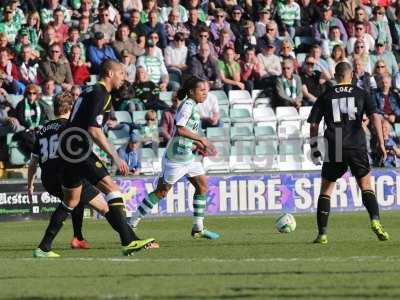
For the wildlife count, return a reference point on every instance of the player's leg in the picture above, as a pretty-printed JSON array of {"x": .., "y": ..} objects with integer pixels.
[
  {"x": 149, "y": 202},
  {"x": 323, "y": 210},
  {"x": 64, "y": 209},
  {"x": 77, "y": 220},
  {"x": 359, "y": 165},
  {"x": 116, "y": 217},
  {"x": 331, "y": 171},
  {"x": 200, "y": 184},
  {"x": 171, "y": 173}
]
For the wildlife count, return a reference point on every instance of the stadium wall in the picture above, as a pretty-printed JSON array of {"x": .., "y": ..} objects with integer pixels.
[{"x": 230, "y": 194}]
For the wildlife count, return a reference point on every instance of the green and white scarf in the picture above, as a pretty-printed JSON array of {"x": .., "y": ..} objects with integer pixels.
[
  {"x": 28, "y": 114},
  {"x": 290, "y": 87}
]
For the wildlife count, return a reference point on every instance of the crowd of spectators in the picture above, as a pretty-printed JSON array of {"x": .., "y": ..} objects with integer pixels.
[{"x": 287, "y": 48}]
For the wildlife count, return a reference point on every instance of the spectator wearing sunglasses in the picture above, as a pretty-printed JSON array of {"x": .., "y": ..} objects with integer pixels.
[
  {"x": 360, "y": 34},
  {"x": 57, "y": 67},
  {"x": 312, "y": 80},
  {"x": 218, "y": 24},
  {"x": 381, "y": 53},
  {"x": 104, "y": 25}
]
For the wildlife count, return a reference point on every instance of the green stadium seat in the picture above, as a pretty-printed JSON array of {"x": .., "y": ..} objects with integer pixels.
[
  {"x": 242, "y": 133},
  {"x": 138, "y": 116},
  {"x": 16, "y": 157},
  {"x": 217, "y": 133},
  {"x": 123, "y": 116},
  {"x": 240, "y": 115},
  {"x": 221, "y": 96},
  {"x": 290, "y": 147},
  {"x": 397, "y": 129},
  {"x": 119, "y": 136},
  {"x": 264, "y": 132},
  {"x": 224, "y": 116}
]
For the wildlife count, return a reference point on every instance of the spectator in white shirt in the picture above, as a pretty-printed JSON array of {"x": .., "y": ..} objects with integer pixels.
[
  {"x": 209, "y": 112},
  {"x": 175, "y": 60}
]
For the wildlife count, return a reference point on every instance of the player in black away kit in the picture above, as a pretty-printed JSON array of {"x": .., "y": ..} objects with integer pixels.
[
  {"x": 342, "y": 108},
  {"x": 45, "y": 154},
  {"x": 88, "y": 116}
]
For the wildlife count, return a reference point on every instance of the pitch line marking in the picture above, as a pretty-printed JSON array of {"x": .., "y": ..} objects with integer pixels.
[{"x": 218, "y": 260}]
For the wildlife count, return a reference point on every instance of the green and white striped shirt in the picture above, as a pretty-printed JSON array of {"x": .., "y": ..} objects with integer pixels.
[
  {"x": 46, "y": 15},
  {"x": 179, "y": 149},
  {"x": 154, "y": 66},
  {"x": 289, "y": 13},
  {"x": 11, "y": 31}
]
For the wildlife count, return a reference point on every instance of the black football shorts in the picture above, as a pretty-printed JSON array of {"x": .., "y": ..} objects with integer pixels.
[
  {"x": 53, "y": 186},
  {"x": 357, "y": 160},
  {"x": 91, "y": 169}
]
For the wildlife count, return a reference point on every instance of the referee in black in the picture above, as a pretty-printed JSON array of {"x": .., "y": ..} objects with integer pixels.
[
  {"x": 84, "y": 127},
  {"x": 342, "y": 108}
]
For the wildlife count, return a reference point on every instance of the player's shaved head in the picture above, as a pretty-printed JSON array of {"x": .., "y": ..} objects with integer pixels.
[
  {"x": 63, "y": 104},
  {"x": 109, "y": 65},
  {"x": 343, "y": 72}
]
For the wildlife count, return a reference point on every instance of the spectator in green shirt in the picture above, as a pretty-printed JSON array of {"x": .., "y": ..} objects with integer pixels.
[
  {"x": 8, "y": 26},
  {"x": 230, "y": 71}
]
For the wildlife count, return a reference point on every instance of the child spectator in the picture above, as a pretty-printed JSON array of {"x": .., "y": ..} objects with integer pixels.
[
  {"x": 149, "y": 132},
  {"x": 130, "y": 154}
]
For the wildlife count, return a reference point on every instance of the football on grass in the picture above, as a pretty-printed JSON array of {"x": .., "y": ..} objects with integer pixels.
[{"x": 285, "y": 223}]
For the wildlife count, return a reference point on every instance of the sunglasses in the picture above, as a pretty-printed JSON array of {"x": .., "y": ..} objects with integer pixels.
[
  {"x": 31, "y": 93},
  {"x": 379, "y": 45},
  {"x": 309, "y": 63},
  {"x": 270, "y": 29}
]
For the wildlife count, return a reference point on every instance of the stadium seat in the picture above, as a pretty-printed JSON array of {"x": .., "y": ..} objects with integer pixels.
[
  {"x": 305, "y": 130},
  {"x": 16, "y": 157},
  {"x": 255, "y": 94},
  {"x": 220, "y": 162},
  {"x": 221, "y": 96},
  {"x": 218, "y": 134},
  {"x": 240, "y": 97},
  {"x": 147, "y": 157},
  {"x": 224, "y": 116},
  {"x": 290, "y": 147},
  {"x": 264, "y": 114},
  {"x": 241, "y": 158},
  {"x": 249, "y": 107},
  {"x": 262, "y": 102},
  {"x": 295, "y": 123},
  {"x": 287, "y": 113},
  {"x": 265, "y": 157},
  {"x": 240, "y": 115},
  {"x": 242, "y": 133},
  {"x": 166, "y": 97},
  {"x": 304, "y": 112},
  {"x": 288, "y": 132},
  {"x": 119, "y": 136},
  {"x": 123, "y": 116},
  {"x": 264, "y": 132},
  {"x": 14, "y": 99},
  {"x": 138, "y": 116},
  {"x": 288, "y": 162}
]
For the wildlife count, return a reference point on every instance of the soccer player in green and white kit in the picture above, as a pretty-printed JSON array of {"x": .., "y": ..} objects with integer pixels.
[{"x": 179, "y": 159}]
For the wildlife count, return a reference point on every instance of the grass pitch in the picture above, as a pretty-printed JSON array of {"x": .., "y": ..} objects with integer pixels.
[{"x": 250, "y": 261}]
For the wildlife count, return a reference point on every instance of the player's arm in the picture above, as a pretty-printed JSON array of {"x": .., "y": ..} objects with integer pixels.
[
  {"x": 101, "y": 140},
  {"x": 32, "y": 168},
  {"x": 184, "y": 132}
]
